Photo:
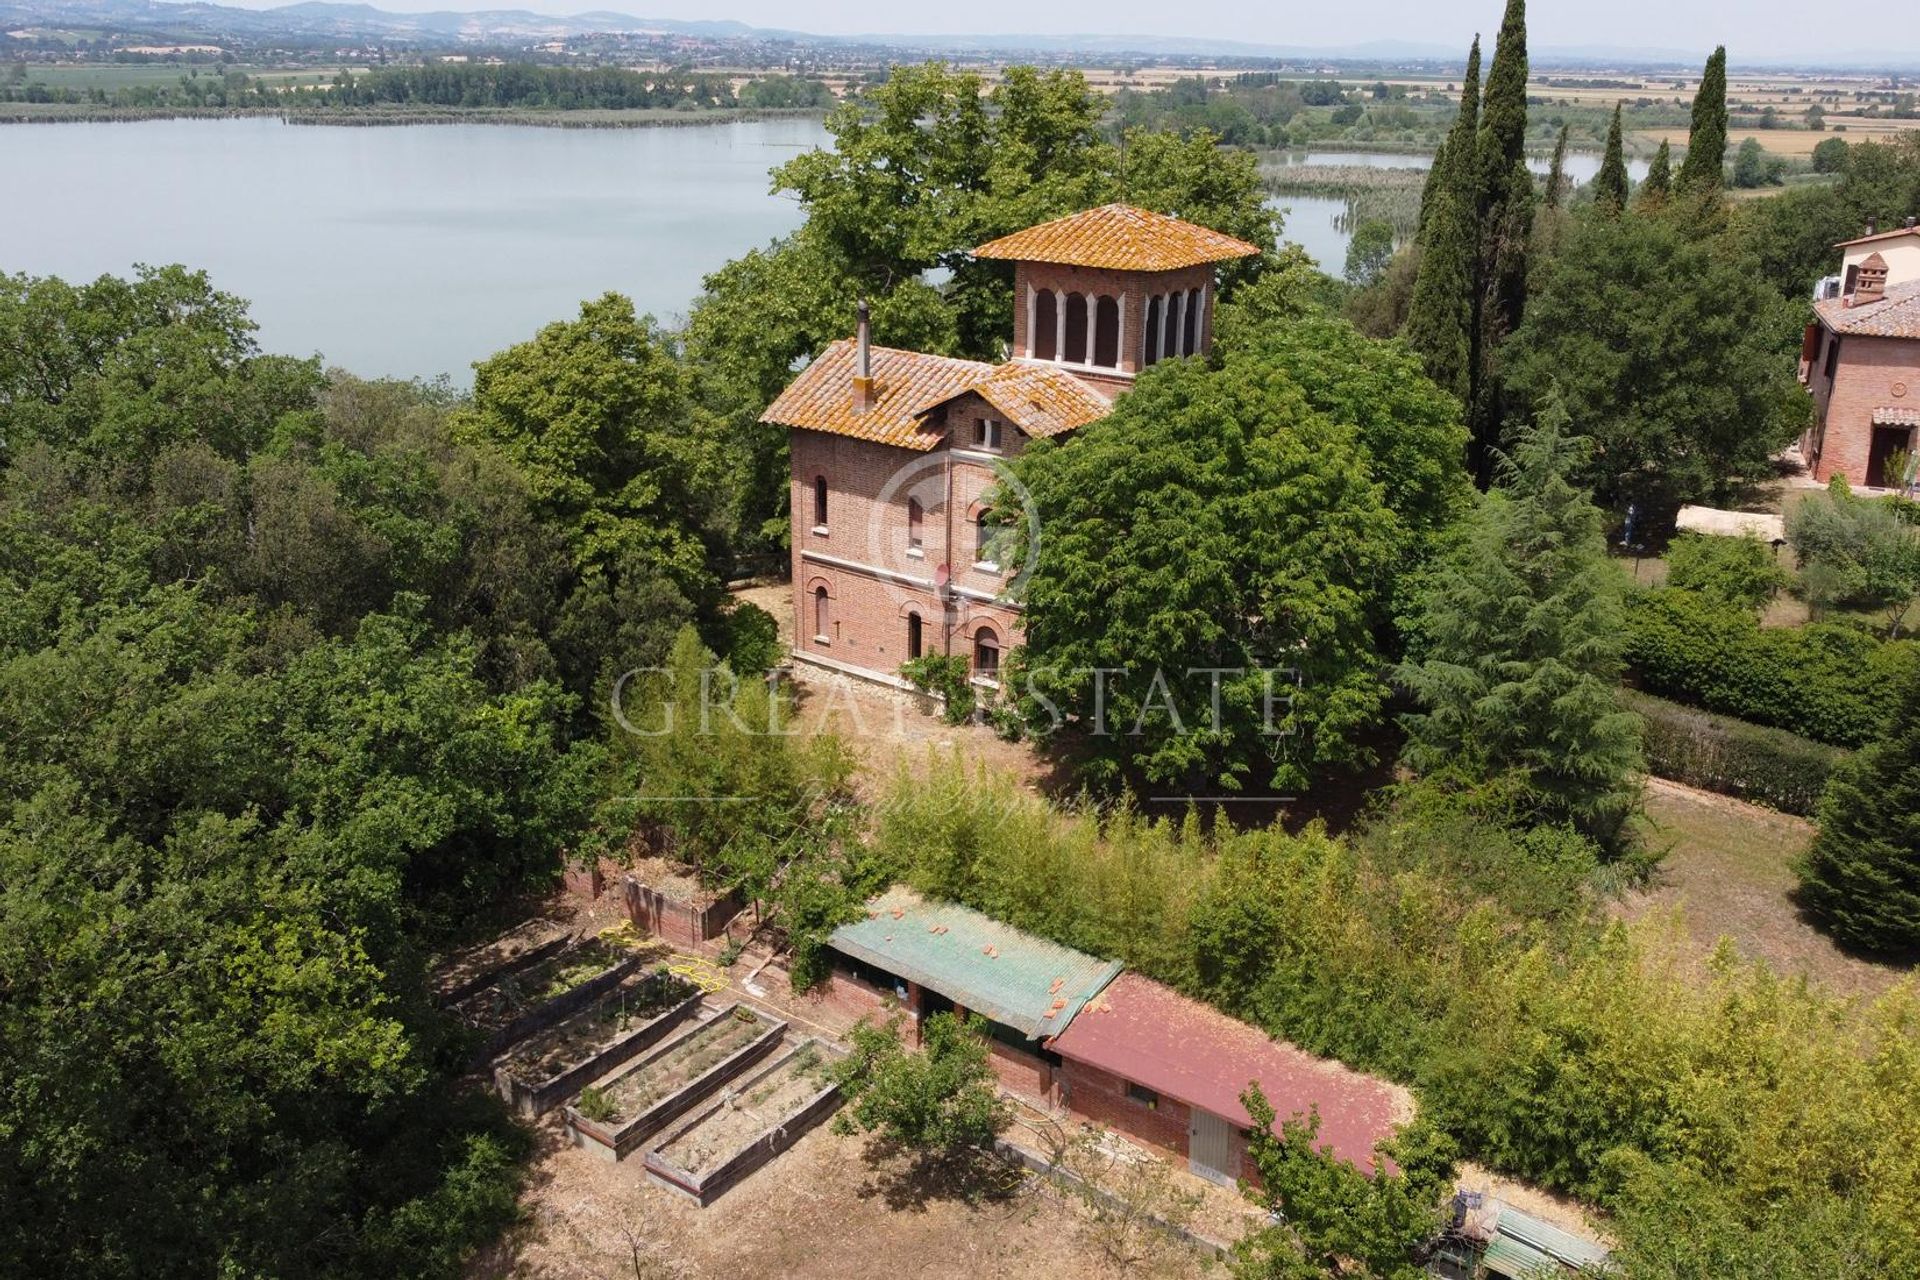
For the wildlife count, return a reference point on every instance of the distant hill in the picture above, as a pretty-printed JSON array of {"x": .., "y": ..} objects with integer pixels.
[{"x": 325, "y": 18}]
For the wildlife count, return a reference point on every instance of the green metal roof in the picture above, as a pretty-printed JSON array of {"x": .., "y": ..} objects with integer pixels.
[
  {"x": 1028, "y": 983},
  {"x": 1543, "y": 1237},
  {"x": 1508, "y": 1257}
]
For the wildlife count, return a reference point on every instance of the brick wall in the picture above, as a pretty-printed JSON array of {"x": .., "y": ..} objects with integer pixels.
[
  {"x": 1865, "y": 378},
  {"x": 1100, "y": 1097},
  {"x": 680, "y": 923},
  {"x": 1130, "y": 288},
  {"x": 842, "y": 1000},
  {"x": 1026, "y": 1075}
]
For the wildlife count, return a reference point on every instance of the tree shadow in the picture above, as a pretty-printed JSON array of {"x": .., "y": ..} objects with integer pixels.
[{"x": 909, "y": 1180}]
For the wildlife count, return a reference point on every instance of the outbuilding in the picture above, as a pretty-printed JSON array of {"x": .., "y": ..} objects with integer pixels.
[
  {"x": 1153, "y": 1064},
  {"x": 934, "y": 957}
]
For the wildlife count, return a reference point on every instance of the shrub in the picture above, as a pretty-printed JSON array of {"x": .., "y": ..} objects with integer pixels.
[
  {"x": 1717, "y": 753},
  {"x": 1829, "y": 681},
  {"x": 1857, "y": 551},
  {"x": 1861, "y": 877},
  {"x": 1736, "y": 571},
  {"x": 946, "y": 677},
  {"x": 941, "y": 1101},
  {"x": 752, "y": 639}
]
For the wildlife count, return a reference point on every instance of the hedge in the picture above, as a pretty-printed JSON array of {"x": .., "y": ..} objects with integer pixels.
[
  {"x": 1829, "y": 681},
  {"x": 1717, "y": 753}
]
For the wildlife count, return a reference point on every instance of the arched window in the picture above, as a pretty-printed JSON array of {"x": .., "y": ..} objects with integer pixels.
[
  {"x": 1170, "y": 327},
  {"x": 1150, "y": 333},
  {"x": 983, "y": 537},
  {"x": 1190, "y": 332},
  {"x": 819, "y": 503},
  {"x": 916, "y": 525},
  {"x": 1106, "y": 334},
  {"x": 822, "y": 618},
  {"x": 914, "y": 635},
  {"x": 1046, "y": 322},
  {"x": 986, "y": 654},
  {"x": 1076, "y": 352}
]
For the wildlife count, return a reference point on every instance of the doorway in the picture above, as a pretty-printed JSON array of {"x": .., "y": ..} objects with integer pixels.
[
  {"x": 1887, "y": 441},
  {"x": 1210, "y": 1148}
]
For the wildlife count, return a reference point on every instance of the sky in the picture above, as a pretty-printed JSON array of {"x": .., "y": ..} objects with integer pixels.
[{"x": 1757, "y": 28}]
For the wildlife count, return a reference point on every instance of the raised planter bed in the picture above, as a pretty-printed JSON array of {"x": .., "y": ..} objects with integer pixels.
[
  {"x": 550, "y": 1066},
  {"x": 611, "y": 1119},
  {"x": 484, "y": 965},
  {"x": 536, "y": 996},
  {"x": 754, "y": 1121}
]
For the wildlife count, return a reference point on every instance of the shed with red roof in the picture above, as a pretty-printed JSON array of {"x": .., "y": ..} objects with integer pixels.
[{"x": 1147, "y": 1061}]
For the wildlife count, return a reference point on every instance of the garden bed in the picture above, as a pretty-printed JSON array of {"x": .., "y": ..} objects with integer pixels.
[
  {"x": 534, "y": 997},
  {"x": 753, "y": 1122},
  {"x": 615, "y": 1116},
  {"x": 549, "y": 1066},
  {"x": 482, "y": 966}
]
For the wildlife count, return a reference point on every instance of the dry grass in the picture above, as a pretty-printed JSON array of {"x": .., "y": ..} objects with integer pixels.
[
  {"x": 1730, "y": 875},
  {"x": 1788, "y": 142}
]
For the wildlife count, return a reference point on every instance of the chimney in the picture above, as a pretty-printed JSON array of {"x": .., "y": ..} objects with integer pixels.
[
  {"x": 1872, "y": 283},
  {"x": 863, "y": 362},
  {"x": 1873, "y": 225},
  {"x": 1910, "y": 221}
]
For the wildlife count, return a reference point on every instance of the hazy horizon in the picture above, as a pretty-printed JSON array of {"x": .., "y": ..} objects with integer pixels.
[{"x": 1756, "y": 29}]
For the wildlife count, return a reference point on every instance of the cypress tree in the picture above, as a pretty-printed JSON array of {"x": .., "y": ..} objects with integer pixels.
[
  {"x": 1707, "y": 138},
  {"x": 1659, "y": 180},
  {"x": 1861, "y": 877},
  {"x": 1440, "y": 314},
  {"x": 1518, "y": 688},
  {"x": 1557, "y": 171},
  {"x": 1610, "y": 184},
  {"x": 1504, "y": 229}
]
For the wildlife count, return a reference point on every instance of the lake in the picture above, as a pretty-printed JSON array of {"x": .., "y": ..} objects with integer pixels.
[
  {"x": 399, "y": 251},
  {"x": 417, "y": 250}
]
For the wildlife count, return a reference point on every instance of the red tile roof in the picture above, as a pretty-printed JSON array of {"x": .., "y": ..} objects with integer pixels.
[
  {"x": 1039, "y": 399},
  {"x": 1118, "y": 237},
  {"x": 906, "y": 385},
  {"x": 1896, "y": 416},
  {"x": 1880, "y": 235},
  {"x": 1894, "y": 315},
  {"x": 1154, "y": 1036}
]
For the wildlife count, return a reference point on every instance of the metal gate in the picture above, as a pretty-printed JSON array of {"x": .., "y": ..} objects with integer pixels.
[{"x": 1210, "y": 1148}]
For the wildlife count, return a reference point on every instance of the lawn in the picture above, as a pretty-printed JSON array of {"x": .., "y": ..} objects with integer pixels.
[{"x": 1729, "y": 874}]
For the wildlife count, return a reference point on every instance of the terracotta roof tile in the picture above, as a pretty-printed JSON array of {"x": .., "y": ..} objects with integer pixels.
[
  {"x": 1118, "y": 237},
  {"x": 1039, "y": 399},
  {"x": 1895, "y": 416},
  {"x": 906, "y": 385},
  {"x": 1896, "y": 315}
]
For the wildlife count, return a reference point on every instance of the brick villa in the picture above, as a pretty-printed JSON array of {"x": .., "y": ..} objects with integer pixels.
[
  {"x": 895, "y": 454},
  {"x": 1861, "y": 360}
]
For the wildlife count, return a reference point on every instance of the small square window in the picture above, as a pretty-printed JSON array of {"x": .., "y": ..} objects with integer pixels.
[
  {"x": 986, "y": 433},
  {"x": 1143, "y": 1095}
]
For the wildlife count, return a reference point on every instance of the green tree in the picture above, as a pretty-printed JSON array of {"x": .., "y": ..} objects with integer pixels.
[
  {"x": 1556, "y": 192},
  {"x": 1752, "y": 167},
  {"x": 1517, "y": 685},
  {"x": 1740, "y": 571},
  {"x": 1666, "y": 352},
  {"x": 1861, "y": 876},
  {"x": 1504, "y": 209},
  {"x": 1213, "y": 521},
  {"x": 1368, "y": 252},
  {"x": 942, "y": 1102},
  {"x": 1440, "y": 315},
  {"x": 1701, "y": 172},
  {"x": 1610, "y": 185},
  {"x": 1857, "y": 551},
  {"x": 1339, "y": 1220},
  {"x": 1658, "y": 183},
  {"x": 1830, "y": 155}
]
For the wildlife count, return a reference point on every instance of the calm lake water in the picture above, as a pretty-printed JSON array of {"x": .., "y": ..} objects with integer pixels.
[
  {"x": 415, "y": 251},
  {"x": 399, "y": 251}
]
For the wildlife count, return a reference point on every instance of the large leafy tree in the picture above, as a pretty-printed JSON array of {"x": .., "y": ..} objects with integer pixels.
[
  {"x": 1215, "y": 520},
  {"x": 1667, "y": 354},
  {"x": 1517, "y": 685},
  {"x": 1861, "y": 877}
]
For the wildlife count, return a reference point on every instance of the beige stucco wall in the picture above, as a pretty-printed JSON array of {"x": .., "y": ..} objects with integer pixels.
[{"x": 1902, "y": 256}]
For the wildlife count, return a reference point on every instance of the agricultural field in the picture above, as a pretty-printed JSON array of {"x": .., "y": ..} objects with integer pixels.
[{"x": 111, "y": 76}]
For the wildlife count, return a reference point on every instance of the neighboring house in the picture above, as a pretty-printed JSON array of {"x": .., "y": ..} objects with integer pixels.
[
  {"x": 1072, "y": 1031},
  {"x": 896, "y": 454},
  {"x": 1861, "y": 361}
]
